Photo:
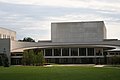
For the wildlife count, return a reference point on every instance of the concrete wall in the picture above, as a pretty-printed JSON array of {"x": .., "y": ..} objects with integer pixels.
[
  {"x": 6, "y": 33},
  {"x": 78, "y": 31},
  {"x": 5, "y": 47}
]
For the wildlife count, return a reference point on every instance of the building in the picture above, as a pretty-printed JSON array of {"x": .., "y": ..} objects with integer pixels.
[
  {"x": 6, "y": 33},
  {"x": 71, "y": 43}
]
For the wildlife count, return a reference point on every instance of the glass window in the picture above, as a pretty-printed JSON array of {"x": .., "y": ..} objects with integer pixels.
[
  {"x": 48, "y": 52},
  {"x": 98, "y": 51},
  {"x": 0, "y": 36},
  {"x": 90, "y": 51},
  {"x": 57, "y": 52},
  {"x": 111, "y": 53},
  {"x": 74, "y": 51},
  {"x": 82, "y": 51},
  {"x": 65, "y": 52}
]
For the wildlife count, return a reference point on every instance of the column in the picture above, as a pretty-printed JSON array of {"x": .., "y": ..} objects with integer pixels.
[
  {"x": 108, "y": 54},
  {"x": 86, "y": 52},
  {"x": 44, "y": 52},
  {"x": 94, "y": 51},
  {"x": 108, "y": 58},
  {"x": 61, "y": 51},
  {"x": 102, "y": 51},
  {"x": 69, "y": 51},
  {"x": 52, "y": 51},
  {"x": 78, "y": 51},
  {"x": 95, "y": 55}
]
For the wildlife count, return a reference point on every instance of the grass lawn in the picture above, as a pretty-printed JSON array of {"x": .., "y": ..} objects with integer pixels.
[{"x": 58, "y": 73}]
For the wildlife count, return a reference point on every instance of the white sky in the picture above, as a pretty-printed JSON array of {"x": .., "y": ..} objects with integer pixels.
[{"x": 32, "y": 18}]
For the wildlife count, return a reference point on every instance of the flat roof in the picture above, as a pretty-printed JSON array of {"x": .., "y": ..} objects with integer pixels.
[
  {"x": 7, "y": 29},
  {"x": 79, "y": 22}
]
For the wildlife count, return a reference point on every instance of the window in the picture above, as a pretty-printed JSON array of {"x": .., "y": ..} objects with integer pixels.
[
  {"x": 57, "y": 52},
  {"x": 98, "y": 51},
  {"x": 8, "y": 36},
  {"x": 3, "y": 36},
  {"x": 90, "y": 51},
  {"x": 74, "y": 51},
  {"x": 0, "y": 36},
  {"x": 112, "y": 54},
  {"x": 48, "y": 52},
  {"x": 12, "y": 38},
  {"x": 82, "y": 51},
  {"x": 65, "y": 52}
]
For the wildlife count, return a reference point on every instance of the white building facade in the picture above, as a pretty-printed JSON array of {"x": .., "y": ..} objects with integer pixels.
[{"x": 71, "y": 43}]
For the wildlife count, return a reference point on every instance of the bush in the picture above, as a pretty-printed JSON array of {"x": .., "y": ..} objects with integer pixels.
[
  {"x": 115, "y": 60},
  {"x": 32, "y": 58},
  {"x": 5, "y": 61}
]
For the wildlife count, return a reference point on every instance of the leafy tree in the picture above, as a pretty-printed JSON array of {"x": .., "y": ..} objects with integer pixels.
[
  {"x": 25, "y": 58},
  {"x": 27, "y": 39},
  {"x": 40, "y": 58},
  {"x": 1, "y": 60},
  {"x": 115, "y": 60},
  {"x": 35, "y": 60},
  {"x": 5, "y": 61},
  {"x": 30, "y": 58}
]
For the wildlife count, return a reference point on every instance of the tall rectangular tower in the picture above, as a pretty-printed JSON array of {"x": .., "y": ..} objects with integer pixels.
[{"x": 78, "y": 31}]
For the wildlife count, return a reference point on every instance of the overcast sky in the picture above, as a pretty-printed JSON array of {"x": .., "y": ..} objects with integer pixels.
[{"x": 32, "y": 18}]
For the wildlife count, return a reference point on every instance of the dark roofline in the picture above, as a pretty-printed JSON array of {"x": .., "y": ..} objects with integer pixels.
[
  {"x": 44, "y": 40},
  {"x": 79, "y": 22},
  {"x": 110, "y": 40}
]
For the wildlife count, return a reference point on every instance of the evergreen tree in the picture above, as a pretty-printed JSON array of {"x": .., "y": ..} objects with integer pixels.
[
  {"x": 40, "y": 58},
  {"x": 31, "y": 56},
  {"x": 25, "y": 58},
  {"x": 5, "y": 61}
]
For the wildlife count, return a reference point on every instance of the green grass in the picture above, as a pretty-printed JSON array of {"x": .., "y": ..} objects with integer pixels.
[
  {"x": 58, "y": 73},
  {"x": 117, "y": 66}
]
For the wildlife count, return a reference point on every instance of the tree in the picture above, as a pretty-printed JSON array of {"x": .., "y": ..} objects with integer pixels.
[
  {"x": 105, "y": 57},
  {"x": 35, "y": 60},
  {"x": 5, "y": 61},
  {"x": 25, "y": 58},
  {"x": 27, "y": 39},
  {"x": 0, "y": 60},
  {"x": 30, "y": 58},
  {"x": 115, "y": 60},
  {"x": 40, "y": 58}
]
